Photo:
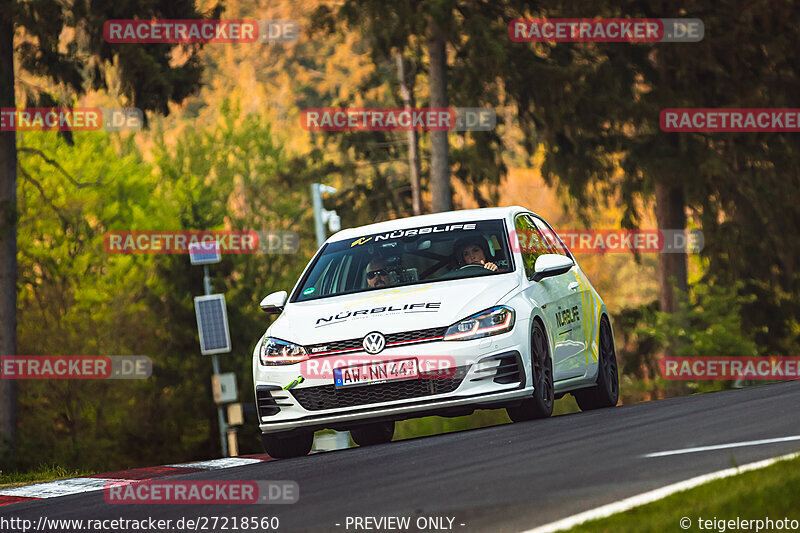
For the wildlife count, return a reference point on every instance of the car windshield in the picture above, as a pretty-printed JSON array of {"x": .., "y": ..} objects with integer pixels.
[{"x": 407, "y": 257}]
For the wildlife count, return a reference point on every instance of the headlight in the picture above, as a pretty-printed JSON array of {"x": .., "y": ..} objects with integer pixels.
[
  {"x": 484, "y": 324},
  {"x": 277, "y": 352}
]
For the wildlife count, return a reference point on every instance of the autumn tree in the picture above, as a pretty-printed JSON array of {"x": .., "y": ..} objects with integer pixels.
[{"x": 63, "y": 45}]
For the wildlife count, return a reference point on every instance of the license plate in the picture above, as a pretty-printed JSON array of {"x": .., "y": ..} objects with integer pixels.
[{"x": 375, "y": 372}]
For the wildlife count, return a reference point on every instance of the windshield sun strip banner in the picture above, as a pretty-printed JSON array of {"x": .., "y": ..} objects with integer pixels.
[{"x": 414, "y": 232}]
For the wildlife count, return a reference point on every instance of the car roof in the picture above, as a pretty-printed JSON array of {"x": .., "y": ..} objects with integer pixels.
[{"x": 447, "y": 217}]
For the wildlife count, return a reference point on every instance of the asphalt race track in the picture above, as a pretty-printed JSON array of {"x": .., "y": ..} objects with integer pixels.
[{"x": 506, "y": 478}]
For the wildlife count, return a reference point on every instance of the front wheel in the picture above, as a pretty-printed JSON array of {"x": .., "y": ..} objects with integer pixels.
[
  {"x": 370, "y": 434},
  {"x": 541, "y": 404},
  {"x": 281, "y": 447},
  {"x": 606, "y": 392}
]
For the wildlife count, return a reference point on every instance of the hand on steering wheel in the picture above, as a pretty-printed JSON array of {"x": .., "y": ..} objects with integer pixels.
[{"x": 488, "y": 266}]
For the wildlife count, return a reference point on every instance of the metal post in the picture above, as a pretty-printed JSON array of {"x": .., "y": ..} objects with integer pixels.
[
  {"x": 319, "y": 224},
  {"x": 223, "y": 428},
  {"x": 207, "y": 281}
]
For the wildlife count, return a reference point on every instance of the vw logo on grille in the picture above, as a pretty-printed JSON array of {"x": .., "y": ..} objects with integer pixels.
[{"x": 374, "y": 342}]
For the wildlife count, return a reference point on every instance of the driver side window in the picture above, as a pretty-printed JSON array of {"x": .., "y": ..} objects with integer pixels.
[
  {"x": 551, "y": 238},
  {"x": 532, "y": 243}
]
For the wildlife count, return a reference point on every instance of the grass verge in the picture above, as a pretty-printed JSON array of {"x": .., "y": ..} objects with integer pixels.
[
  {"x": 40, "y": 474},
  {"x": 768, "y": 492}
]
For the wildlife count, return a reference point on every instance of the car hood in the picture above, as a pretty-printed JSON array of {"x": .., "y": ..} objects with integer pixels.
[{"x": 390, "y": 310}]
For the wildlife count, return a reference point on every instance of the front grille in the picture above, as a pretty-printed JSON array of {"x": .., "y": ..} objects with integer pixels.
[
  {"x": 391, "y": 338},
  {"x": 328, "y": 397},
  {"x": 335, "y": 346},
  {"x": 407, "y": 336}
]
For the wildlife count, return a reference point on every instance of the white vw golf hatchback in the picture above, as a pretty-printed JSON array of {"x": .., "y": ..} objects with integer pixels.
[{"x": 436, "y": 314}]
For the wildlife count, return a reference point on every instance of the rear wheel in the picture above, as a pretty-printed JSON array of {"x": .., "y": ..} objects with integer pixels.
[
  {"x": 541, "y": 404},
  {"x": 281, "y": 447},
  {"x": 377, "y": 433},
  {"x": 606, "y": 392}
]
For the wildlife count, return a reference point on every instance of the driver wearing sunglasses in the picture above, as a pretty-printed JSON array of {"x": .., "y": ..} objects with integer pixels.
[{"x": 378, "y": 273}]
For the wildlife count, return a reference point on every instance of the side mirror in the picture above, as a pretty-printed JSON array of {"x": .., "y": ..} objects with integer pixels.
[
  {"x": 551, "y": 265},
  {"x": 273, "y": 303}
]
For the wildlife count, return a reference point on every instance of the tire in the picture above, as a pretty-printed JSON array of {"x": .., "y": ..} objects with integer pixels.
[
  {"x": 606, "y": 392},
  {"x": 281, "y": 447},
  {"x": 371, "y": 434},
  {"x": 541, "y": 404}
]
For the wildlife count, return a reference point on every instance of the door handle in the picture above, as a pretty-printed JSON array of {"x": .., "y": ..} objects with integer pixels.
[{"x": 573, "y": 286}]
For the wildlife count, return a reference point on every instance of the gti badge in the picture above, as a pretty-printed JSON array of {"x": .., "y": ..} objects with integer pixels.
[{"x": 374, "y": 342}]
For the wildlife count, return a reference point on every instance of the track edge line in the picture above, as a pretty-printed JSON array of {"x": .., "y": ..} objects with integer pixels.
[{"x": 644, "y": 498}]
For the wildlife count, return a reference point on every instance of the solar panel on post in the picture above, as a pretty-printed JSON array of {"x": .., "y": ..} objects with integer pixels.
[
  {"x": 212, "y": 324},
  {"x": 204, "y": 252}
]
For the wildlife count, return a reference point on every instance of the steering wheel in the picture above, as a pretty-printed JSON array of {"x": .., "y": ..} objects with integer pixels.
[{"x": 473, "y": 266}]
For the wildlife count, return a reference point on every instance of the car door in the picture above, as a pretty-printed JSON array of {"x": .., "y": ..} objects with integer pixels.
[
  {"x": 552, "y": 294},
  {"x": 574, "y": 314}
]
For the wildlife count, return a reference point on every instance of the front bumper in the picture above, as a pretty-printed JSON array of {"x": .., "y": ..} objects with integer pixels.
[{"x": 488, "y": 372}]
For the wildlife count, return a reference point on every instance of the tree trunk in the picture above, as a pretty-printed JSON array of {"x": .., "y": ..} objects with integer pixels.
[
  {"x": 8, "y": 235},
  {"x": 407, "y": 92},
  {"x": 672, "y": 276},
  {"x": 442, "y": 195}
]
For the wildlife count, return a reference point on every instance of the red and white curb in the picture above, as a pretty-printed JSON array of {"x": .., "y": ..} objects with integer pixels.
[{"x": 97, "y": 482}]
